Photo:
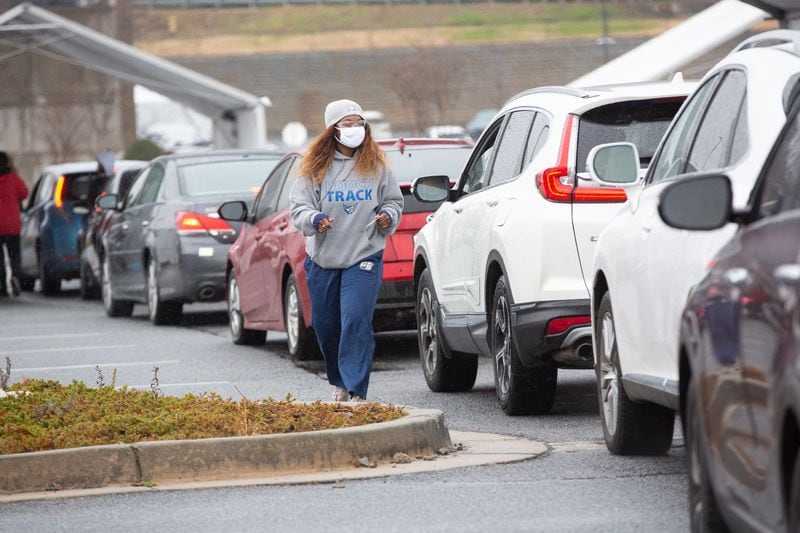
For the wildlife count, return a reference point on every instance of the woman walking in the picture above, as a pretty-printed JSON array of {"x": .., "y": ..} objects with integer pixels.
[
  {"x": 346, "y": 202},
  {"x": 12, "y": 193}
]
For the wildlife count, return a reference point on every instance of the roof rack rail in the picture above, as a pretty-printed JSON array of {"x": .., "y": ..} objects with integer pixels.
[
  {"x": 557, "y": 89},
  {"x": 771, "y": 38}
]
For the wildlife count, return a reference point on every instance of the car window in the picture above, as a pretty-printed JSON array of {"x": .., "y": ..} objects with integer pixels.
[
  {"x": 151, "y": 186},
  {"x": 288, "y": 183},
  {"x": 83, "y": 186},
  {"x": 672, "y": 157},
  {"x": 476, "y": 176},
  {"x": 214, "y": 178},
  {"x": 741, "y": 136},
  {"x": 641, "y": 122},
  {"x": 136, "y": 188},
  {"x": 265, "y": 205},
  {"x": 781, "y": 190},
  {"x": 508, "y": 161},
  {"x": 711, "y": 147},
  {"x": 44, "y": 192},
  {"x": 126, "y": 180},
  {"x": 537, "y": 137},
  {"x": 412, "y": 162}
]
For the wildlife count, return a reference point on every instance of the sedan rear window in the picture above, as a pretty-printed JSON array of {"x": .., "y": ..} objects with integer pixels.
[
  {"x": 642, "y": 123},
  {"x": 411, "y": 164},
  {"x": 224, "y": 177}
]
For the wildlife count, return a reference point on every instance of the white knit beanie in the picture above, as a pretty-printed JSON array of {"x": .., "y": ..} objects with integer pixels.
[{"x": 336, "y": 111}]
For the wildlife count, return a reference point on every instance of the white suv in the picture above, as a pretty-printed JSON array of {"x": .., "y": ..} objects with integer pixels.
[
  {"x": 500, "y": 267},
  {"x": 644, "y": 269}
]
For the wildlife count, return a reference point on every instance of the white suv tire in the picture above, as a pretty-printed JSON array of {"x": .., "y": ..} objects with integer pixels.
[
  {"x": 629, "y": 428},
  {"x": 520, "y": 390},
  {"x": 444, "y": 370}
]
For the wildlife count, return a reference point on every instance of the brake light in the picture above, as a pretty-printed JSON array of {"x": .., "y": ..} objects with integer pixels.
[
  {"x": 189, "y": 222},
  {"x": 554, "y": 183},
  {"x": 58, "y": 196},
  {"x": 562, "y": 324}
]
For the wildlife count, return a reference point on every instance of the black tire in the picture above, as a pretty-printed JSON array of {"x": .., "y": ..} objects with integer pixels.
[
  {"x": 51, "y": 283},
  {"x": 629, "y": 428},
  {"x": 793, "y": 509},
  {"x": 444, "y": 369},
  {"x": 89, "y": 291},
  {"x": 301, "y": 339},
  {"x": 112, "y": 306},
  {"x": 520, "y": 390},
  {"x": 241, "y": 336},
  {"x": 161, "y": 313},
  {"x": 703, "y": 509}
]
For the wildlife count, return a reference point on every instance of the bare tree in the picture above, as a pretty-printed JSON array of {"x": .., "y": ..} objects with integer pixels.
[
  {"x": 64, "y": 131},
  {"x": 428, "y": 83}
]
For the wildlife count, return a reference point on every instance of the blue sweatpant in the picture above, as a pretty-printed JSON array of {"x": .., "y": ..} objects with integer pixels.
[{"x": 342, "y": 304}]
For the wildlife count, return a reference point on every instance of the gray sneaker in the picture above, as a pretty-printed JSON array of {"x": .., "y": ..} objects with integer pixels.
[{"x": 340, "y": 395}]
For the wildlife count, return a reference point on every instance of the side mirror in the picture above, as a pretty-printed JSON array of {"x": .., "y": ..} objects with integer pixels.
[
  {"x": 431, "y": 189},
  {"x": 235, "y": 211},
  {"x": 614, "y": 164},
  {"x": 699, "y": 203},
  {"x": 107, "y": 201}
]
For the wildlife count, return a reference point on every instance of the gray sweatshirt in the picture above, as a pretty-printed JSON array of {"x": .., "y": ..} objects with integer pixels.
[{"x": 352, "y": 201}]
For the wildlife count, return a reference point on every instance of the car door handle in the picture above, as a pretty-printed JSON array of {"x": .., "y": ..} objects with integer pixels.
[
  {"x": 145, "y": 223},
  {"x": 737, "y": 276},
  {"x": 126, "y": 225},
  {"x": 258, "y": 236},
  {"x": 491, "y": 203},
  {"x": 283, "y": 225},
  {"x": 458, "y": 209}
]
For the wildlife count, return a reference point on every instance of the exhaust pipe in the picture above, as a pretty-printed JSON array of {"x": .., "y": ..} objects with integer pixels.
[
  {"x": 206, "y": 293},
  {"x": 585, "y": 352}
]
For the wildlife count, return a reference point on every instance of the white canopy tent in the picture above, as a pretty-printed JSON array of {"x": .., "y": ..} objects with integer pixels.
[
  {"x": 672, "y": 50},
  {"x": 239, "y": 117}
]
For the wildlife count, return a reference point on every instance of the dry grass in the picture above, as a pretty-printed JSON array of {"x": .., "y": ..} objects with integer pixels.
[{"x": 47, "y": 415}]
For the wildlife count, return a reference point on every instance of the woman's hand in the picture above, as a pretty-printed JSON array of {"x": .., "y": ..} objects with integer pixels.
[
  {"x": 383, "y": 220},
  {"x": 325, "y": 224}
]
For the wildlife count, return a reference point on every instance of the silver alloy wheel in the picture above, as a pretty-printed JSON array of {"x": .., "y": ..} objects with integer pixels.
[
  {"x": 106, "y": 284},
  {"x": 152, "y": 290},
  {"x": 427, "y": 332},
  {"x": 609, "y": 378},
  {"x": 292, "y": 317},
  {"x": 234, "y": 307},
  {"x": 502, "y": 359}
]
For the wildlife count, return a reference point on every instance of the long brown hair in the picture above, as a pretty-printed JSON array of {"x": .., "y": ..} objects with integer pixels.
[{"x": 370, "y": 159}]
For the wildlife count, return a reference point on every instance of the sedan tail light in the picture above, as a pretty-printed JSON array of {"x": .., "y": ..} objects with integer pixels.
[
  {"x": 191, "y": 223},
  {"x": 58, "y": 195}
]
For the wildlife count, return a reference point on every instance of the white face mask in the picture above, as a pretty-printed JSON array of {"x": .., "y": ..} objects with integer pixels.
[{"x": 352, "y": 137}]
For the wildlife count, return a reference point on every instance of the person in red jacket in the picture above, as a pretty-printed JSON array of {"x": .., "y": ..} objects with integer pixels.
[{"x": 12, "y": 192}]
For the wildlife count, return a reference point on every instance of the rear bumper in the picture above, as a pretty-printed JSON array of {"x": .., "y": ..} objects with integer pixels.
[
  {"x": 198, "y": 275},
  {"x": 529, "y": 324},
  {"x": 395, "y": 307}
]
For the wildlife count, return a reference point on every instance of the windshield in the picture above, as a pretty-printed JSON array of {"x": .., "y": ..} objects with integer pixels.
[
  {"x": 642, "y": 123},
  {"x": 225, "y": 177}
]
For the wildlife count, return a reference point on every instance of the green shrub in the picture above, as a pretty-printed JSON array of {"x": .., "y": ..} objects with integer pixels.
[{"x": 142, "y": 149}]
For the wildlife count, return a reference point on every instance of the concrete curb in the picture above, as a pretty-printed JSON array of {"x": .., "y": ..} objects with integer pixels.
[{"x": 420, "y": 432}]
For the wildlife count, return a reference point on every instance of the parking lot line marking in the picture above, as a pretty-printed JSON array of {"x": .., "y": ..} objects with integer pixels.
[
  {"x": 72, "y": 349},
  {"x": 161, "y": 385},
  {"x": 38, "y": 325},
  {"x": 62, "y": 336},
  {"x": 114, "y": 365}
]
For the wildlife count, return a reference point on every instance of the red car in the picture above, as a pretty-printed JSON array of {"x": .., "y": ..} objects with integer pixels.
[{"x": 266, "y": 279}]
